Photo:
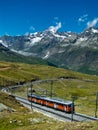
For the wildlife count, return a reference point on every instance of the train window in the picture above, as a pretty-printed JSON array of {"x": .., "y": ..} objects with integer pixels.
[
  {"x": 60, "y": 104},
  {"x": 70, "y": 105}
]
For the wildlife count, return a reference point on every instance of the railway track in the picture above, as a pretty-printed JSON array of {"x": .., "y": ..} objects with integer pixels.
[{"x": 55, "y": 113}]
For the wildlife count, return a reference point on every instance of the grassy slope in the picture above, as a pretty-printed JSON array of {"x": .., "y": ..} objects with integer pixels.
[
  {"x": 14, "y": 57},
  {"x": 85, "y": 91},
  {"x": 21, "y": 118},
  {"x": 16, "y": 72},
  {"x": 10, "y": 56},
  {"x": 24, "y": 119}
]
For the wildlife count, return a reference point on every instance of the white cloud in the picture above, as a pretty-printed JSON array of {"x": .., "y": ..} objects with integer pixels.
[
  {"x": 83, "y": 18},
  {"x": 27, "y": 33},
  {"x": 56, "y": 18},
  {"x": 32, "y": 28},
  {"x": 92, "y": 23},
  {"x": 54, "y": 29}
]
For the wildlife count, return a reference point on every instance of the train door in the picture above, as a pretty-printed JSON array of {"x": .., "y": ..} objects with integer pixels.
[
  {"x": 64, "y": 107},
  {"x": 55, "y": 105}
]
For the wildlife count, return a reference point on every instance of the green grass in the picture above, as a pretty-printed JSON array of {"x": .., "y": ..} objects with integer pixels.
[
  {"x": 12, "y": 73},
  {"x": 84, "y": 92},
  {"x": 82, "y": 86},
  {"x": 23, "y": 119}
]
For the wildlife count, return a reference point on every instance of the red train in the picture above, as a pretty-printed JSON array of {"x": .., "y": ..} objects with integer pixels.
[{"x": 58, "y": 104}]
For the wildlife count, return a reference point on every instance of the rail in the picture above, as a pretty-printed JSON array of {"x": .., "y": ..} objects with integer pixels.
[{"x": 56, "y": 113}]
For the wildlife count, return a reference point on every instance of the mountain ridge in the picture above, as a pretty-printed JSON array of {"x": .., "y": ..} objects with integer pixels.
[{"x": 70, "y": 50}]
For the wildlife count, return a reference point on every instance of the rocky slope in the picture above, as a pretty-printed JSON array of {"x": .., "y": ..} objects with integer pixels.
[{"x": 64, "y": 49}]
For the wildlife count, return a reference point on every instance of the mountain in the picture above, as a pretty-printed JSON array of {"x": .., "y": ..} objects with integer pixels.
[
  {"x": 70, "y": 50},
  {"x": 7, "y": 55}
]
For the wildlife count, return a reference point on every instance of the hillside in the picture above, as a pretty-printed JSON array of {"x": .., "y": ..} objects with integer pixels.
[
  {"x": 15, "y": 72},
  {"x": 21, "y": 118},
  {"x": 83, "y": 87},
  {"x": 8, "y": 55},
  {"x": 69, "y": 83}
]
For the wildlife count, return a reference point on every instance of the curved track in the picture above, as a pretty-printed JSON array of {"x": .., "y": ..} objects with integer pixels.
[{"x": 55, "y": 113}]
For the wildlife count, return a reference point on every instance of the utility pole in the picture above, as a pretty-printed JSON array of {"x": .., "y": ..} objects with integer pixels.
[
  {"x": 46, "y": 92},
  {"x": 31, "y": 95},
  {"x": 96, "y": 105},
  {"x": 51, "y": 87},
  {"x": 72, "y": 110},
  {"x": 27, "y": 90}
]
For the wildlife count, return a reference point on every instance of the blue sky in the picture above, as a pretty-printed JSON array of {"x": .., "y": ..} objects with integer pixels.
[{"x": 18, "y": 17}]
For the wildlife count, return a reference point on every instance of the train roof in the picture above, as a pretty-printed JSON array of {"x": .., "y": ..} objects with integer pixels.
[
  {"x": 60, "y": 101},
  {"x": 56, "y": 100}
]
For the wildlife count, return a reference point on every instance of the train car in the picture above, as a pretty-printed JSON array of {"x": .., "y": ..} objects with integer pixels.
[
  {"x": 60, "y": 104},
  {"x": 55, "y": 103}
]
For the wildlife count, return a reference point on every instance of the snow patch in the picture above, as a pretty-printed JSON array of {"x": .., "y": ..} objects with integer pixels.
[
  {"x": 47, "y": 55},
  {"x": 35, "y": 33},
  {"x": 61, "y": 51},
  {"x": 34, "y": 40},
  {"x": 64, "y": 45},
  {"x": 80, "y": 40},
  {"x": 94, "y": 30},
  {"x": 59, "y": 36},
  {"x": 69, "y": 35},
  {"x": 3, "y": 43},
  {"x": 83, "y": 39},
  {"x": 24, "y": 53}
]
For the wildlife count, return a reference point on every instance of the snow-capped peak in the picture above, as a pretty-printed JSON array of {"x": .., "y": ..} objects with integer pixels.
[{"x": 54, "y": 29}]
